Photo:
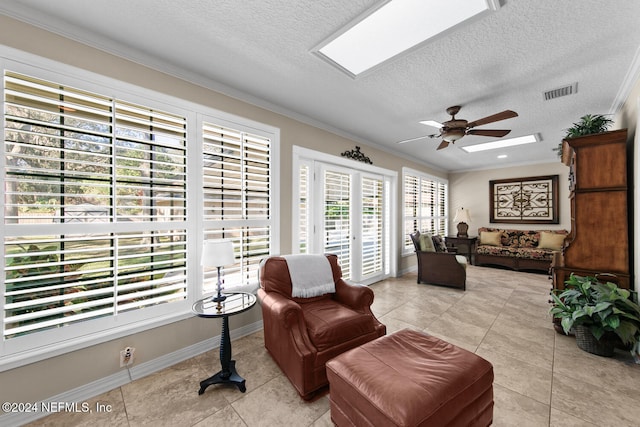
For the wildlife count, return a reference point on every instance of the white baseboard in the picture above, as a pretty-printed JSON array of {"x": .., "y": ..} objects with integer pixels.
[{"x": 103, "y": 385}]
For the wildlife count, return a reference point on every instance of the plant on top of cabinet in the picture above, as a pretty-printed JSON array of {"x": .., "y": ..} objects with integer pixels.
[{"x": 588, "y": 124}]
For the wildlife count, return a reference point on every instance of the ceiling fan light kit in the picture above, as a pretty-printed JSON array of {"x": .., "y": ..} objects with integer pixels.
[{"x": 453, "y": 135}]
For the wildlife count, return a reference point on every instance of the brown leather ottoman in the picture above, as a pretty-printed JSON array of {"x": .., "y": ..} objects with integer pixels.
[{"x": 410, "y": 379}]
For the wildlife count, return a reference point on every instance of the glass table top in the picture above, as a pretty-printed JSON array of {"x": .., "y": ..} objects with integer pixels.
[{"x": 236, "y": 302}]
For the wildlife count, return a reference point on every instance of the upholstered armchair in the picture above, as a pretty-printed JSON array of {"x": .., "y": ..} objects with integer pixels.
[
  {"x": 436, "y": 266},
  {"x": 303, "y": 333}
]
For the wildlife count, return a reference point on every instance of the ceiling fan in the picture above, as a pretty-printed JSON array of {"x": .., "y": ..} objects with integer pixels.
[{"x": 454, "y": 129}]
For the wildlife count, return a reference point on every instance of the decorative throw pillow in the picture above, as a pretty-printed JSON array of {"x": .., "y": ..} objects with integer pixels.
[
  {"x": 426, "y": 243},
  {"x": 462, "y": 260},
  {"x": 491, "y": 238},
  {"x": 439, "y": 244},
  {"x": 550, "y": 240}
]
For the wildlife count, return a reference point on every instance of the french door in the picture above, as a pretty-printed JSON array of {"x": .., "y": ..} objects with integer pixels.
[
  {"x": 336, "y": 216},
  {"x": 346, "y": 212}
]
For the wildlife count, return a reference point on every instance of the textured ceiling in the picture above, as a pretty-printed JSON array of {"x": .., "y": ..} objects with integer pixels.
[{"x": 260, "y": 51}]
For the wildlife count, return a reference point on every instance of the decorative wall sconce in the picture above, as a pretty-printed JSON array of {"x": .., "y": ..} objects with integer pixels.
[{"x": 357, "y": 155}]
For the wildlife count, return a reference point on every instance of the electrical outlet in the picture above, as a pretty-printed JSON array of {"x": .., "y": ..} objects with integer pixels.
[{"x": 126, "y": 356}]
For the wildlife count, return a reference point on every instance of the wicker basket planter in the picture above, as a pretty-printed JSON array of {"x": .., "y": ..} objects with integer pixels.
[
  {"x": 601, "y": 315},
  {"x": 587, "y": 342}
]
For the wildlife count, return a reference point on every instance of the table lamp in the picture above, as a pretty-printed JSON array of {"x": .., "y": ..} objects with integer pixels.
[
  {"x": 462, "y": 218},
  {"x": 217, "y": 253}
]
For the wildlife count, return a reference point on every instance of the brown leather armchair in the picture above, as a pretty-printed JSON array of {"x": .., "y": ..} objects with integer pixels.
[
  {"x": 302, "y": 334},
  {"x": 440, "y": 268}
]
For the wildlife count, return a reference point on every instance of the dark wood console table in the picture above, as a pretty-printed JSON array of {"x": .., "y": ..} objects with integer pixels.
[{"x": 464, "y": 246}]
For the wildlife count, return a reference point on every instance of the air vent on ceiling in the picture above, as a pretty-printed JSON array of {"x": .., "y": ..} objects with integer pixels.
[{"x": 561, "y": 91}]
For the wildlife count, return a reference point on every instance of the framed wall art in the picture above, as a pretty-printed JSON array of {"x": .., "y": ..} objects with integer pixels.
[{"x": 530, "y": 200}]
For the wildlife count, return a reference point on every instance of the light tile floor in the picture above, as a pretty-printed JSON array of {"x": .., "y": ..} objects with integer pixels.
[{"x": 541, "y": 377}]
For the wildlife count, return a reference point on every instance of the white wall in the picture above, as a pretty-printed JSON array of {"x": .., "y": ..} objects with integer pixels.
[
  {"x": 471, "y": 191},
  {"x": 627, "y": 118}
]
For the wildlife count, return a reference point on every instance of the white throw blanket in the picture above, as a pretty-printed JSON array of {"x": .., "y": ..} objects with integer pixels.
[{"x": 311, "y": 275}]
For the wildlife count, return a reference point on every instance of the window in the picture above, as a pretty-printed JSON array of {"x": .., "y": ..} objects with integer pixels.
[
  {"x": 425, "y": 205},
  {"x": 236, "y": 203},
  {"x": 95, "y": 193},
  {"x": 107, "y": 190}
]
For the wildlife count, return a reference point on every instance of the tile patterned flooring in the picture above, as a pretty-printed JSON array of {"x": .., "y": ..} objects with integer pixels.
[{"x": 541, "y": 377}]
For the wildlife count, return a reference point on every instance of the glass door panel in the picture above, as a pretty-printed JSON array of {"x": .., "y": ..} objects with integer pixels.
[
  {"x": 372, "y": 226},
  {"x": 336, "y": 223}
]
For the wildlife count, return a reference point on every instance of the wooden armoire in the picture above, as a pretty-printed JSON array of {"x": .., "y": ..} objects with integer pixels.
[{"x": 598, "y": 244}]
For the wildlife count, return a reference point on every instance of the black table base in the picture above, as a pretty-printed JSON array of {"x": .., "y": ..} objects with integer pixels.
[
  {"x": 228, "y": 374},
  {"x": 221, "y": 377}
]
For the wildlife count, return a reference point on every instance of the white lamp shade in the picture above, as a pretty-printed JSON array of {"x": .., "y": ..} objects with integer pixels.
[
  {"x": 217, "y": 253},
  {"x": 462, "y": 215}
]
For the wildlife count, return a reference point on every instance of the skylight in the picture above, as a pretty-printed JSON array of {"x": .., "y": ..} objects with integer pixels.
[
  {"x": 432, "y": 123},
  {"x": 501, "y": 143},
  {"x": 396, "y": 26}
]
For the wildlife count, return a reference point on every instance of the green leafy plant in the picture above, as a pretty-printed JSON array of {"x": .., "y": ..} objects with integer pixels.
[
  {"x": 588, "y": 124},
  {"x": 601, "y": 307}
]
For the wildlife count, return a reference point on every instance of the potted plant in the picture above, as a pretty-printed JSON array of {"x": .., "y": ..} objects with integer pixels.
[
  {"x": 598, "y": 313},
  {"x": 588, "y": 124}
]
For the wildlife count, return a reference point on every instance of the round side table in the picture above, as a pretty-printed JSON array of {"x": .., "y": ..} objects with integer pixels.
[{"x": 235, "y": 303}]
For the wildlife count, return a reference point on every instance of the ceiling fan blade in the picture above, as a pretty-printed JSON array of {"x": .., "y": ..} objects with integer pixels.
[
  {"x": 417, "y": 138},
  {"x": 412, "y": 139},
  {"x": 488, "y": 132},
  {"x": 443, "y": 144},
  {"x": 506, "y": 114}
]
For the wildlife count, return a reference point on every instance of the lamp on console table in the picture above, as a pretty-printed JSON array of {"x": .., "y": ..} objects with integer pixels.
[
  {"x": 462, "y": 218},
  {"x": 217, "y": 253}
]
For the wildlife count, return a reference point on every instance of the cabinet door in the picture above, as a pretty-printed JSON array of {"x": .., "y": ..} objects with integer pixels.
[
  {"x": 600, "y": 240},
  {"x": 600, "y": 161}
]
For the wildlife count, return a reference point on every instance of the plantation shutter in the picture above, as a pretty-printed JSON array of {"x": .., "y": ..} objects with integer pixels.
[
  {"x": 304, "y": 209},
  {"x": 57, "y": 141},
  {"x": 428, "y": 198},
  {"x": 237, "y": 199},
  {"x": 150, "y": 164},
  {"x": 337, "y": 218},
  {"x": 95, "y": 206},
  {"x": 372, "y": 226},
  {"x": 411, "y": 203},
  {"x": 441, "y": 209},
  {"x": 425, "y": 207}
]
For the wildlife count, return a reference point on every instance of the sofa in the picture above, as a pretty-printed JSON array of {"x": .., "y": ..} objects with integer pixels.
[{"x": 518, "y": 249}]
